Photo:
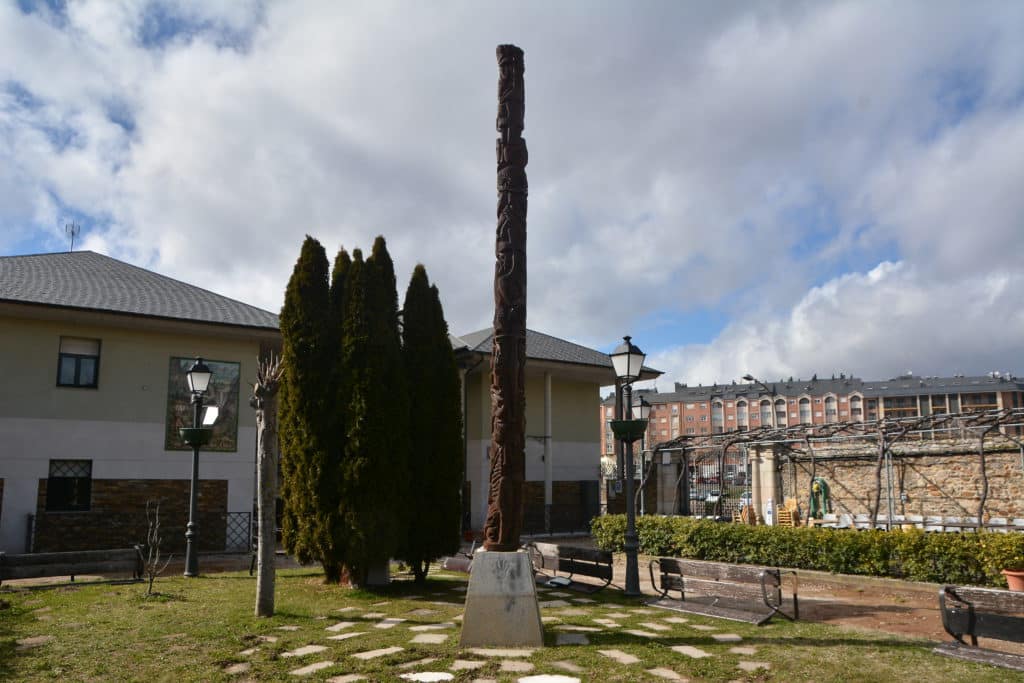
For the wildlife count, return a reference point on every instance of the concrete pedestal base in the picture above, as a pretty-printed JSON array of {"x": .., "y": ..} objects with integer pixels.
[
  {"x": 501, "y": 603},
  {"x": 379, "y": 574}
]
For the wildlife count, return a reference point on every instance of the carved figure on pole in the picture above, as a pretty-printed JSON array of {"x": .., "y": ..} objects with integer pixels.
[{"x": 508, "y": 359}]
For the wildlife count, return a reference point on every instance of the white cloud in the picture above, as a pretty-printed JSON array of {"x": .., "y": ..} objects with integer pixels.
[
  {"x": 682, "y": 156},
  {"x": 874, "y": 325}
]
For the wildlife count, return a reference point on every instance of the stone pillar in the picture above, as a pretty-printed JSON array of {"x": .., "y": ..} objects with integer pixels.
[
  {"x": 756, "y": 493},
  {"x": 771, "y": 474}
]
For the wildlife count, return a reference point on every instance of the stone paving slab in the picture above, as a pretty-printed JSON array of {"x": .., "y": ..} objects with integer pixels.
[
  {"x": 466, "y": 664},
  {"x": 574, "y": 612},
  {"x": 549, "y": 678},
  {"x": 304, "y": 650},
  {"x": 608, "y": 623},
  {"x": 346, "y": 609},
  {"x": 340, "y": 626},
  {"x": 667, "y": 674},
  {"x": 553, "y": 603},
  {"x": 267, "y": 639},
  {"x": 571, "y": 639},
  {"x": 288, "y": 627},
  {"x": 423, "y": 612},
  {"x": 516, "y": 666},
  {"x": 390, "y": 622},
  {"x": 620, "y": 656},
  {"x": 559, "y": 594},
  {"x": 346, "y": 636},
  {"x": 568, "y": 666},
  {"x": 253, "y": 650},
  {"x": 704, "y": 627},
  {"x": 380, "y": 604},
  {"x": 374, "y": 615},
  {"x": 433, "y": 627},
  {"x": 550, "y": 619},
  {"x": 753, "y": 666},
  {"x": 430, "y": 638},
  {"x": 727, "y": 637},
  {"x": 236, "y": 669},
  {"x": 644, "y": 611},
  {"x": 676, "y": 620},
  {"x": 428, "y": 676},
  {"x": 654, "y": 626},
  {"x": 33, "y": 641},
  {"x": 312, "y": 668},
  {"x": 418, "y": 662},
  {"x": 502, "y": 652},
  {"x": 690, "y": 651},
  {"x": 585, "y": 601},
  {"x": 373, "y": 654},
  {"x": 346, "y": 678},
  {"x": 749, "y": 651}
]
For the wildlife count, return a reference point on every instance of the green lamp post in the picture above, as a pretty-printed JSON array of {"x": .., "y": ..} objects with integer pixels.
[
  {"x": 628, "y": 360},
  {"x": 195, "y": 436}
]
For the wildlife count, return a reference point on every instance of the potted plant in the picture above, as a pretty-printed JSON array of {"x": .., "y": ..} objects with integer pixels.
[
  {"x": 1013, "y": 569},
  {"x": 1014, "y": 577}
]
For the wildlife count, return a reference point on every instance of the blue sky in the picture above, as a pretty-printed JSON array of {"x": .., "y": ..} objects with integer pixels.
[{"x": 778, "y": 188}]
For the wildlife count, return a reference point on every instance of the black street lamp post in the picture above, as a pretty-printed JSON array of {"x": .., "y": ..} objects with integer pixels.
[
  {"x": 627, "y": 360},
  {"x": 195, "y": 436}
]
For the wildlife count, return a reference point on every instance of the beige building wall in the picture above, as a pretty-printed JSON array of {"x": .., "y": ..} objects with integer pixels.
[
  {"x": 120, "y": 424},
  {"x": 574, "y": 440}
]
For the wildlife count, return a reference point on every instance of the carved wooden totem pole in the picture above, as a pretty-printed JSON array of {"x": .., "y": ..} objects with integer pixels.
[{"x": 508, "y": 359}]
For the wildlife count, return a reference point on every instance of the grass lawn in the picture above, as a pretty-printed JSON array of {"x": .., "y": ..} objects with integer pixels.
[{"x": 197, "y": 628}]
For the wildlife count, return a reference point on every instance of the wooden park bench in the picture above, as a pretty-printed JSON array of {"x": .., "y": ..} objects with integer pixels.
[
  {"x": 573, "y": 561},
  {"x": 982, "y": 613},
  {"x": 72, "y": 564},
  {"x": 730, "y": 591}
]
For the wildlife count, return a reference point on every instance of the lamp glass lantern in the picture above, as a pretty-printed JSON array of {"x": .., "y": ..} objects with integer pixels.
[
  {"x": 627, "y": 360},
  {"x": 641, "y": 408},
  {"x": 199, "y": 377}
]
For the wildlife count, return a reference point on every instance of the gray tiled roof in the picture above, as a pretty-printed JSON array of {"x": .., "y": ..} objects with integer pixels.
[
  {"x": 541, "y": 347},
  {"x": 88, "y": 280}
]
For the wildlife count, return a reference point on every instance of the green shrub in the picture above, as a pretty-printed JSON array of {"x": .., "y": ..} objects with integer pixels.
[{"x": 967, "y": 558}]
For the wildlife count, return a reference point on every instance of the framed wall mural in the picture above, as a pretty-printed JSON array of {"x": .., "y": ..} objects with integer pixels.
[{"x": 222, "y": 392}]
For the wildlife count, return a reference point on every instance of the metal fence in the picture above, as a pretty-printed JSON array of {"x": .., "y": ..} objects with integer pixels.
[{"x": 238, "y": 536}]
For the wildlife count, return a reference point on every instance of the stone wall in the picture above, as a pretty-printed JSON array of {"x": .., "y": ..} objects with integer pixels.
[
  {"x": 117, "y": 516},
  {"x": 938, "y": 477}
]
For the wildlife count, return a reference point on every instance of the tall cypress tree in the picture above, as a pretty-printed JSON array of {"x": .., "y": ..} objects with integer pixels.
[
  {"x": 436, "y": 460},
  {"x": 304, "y": 412},
  {"x": 377, "y": 445}
]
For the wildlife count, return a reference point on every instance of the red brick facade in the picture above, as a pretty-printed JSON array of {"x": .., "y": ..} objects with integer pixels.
[{"x": 117, "y": 516}]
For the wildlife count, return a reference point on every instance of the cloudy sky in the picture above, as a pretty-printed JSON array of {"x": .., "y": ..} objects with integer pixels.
[{"x": 776, "y": 188}]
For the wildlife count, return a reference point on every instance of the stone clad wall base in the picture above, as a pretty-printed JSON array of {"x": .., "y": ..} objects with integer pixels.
[{"x": 501, "y": 603}]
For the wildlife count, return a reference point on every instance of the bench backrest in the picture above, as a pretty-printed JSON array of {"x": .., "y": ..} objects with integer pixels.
[
  {"x": 34, "y": 565},
  {"x": 983, "y": 612},
  {"x": 573, "y": 560},
  {"x": 717, "y": 571}
]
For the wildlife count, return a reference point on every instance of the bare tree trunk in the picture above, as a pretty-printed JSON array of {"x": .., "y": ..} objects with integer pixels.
[{"x": 265, "y": 401}]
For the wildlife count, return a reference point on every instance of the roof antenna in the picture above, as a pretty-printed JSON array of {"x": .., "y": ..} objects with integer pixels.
[{"x": 72, "y": 230}]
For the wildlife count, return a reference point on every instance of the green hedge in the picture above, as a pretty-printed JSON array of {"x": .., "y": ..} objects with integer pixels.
[{"x": 967, "y": 558}]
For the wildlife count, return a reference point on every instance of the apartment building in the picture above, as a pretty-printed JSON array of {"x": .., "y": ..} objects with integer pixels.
[{"x": 720, "y": 408}]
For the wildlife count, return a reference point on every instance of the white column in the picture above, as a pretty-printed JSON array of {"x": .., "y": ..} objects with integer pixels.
[
  {"x": 548, "y": 460},
  {"x": 756, "y": 495}
]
